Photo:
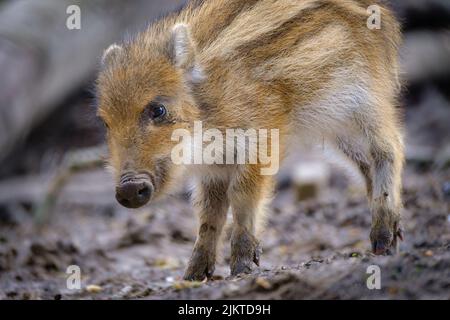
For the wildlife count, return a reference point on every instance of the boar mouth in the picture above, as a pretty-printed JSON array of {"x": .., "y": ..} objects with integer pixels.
[{"x": 135, "y": 190}]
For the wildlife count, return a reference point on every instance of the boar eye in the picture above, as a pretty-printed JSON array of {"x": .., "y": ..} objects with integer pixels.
[
  {"x": 104, "y": 123},
  {"x": 159, "y": 111},
  {"x": 155, "y": 111}
]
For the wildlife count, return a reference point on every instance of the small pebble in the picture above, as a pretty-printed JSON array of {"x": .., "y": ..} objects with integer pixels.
[
  {"x": 263, "y": 283},
  {"x": 446, "y": 188},
  {"x": 393, "y": 290},
  {"x": 429, "y": 253},
  {"x": 126, "y": 290},
  {"x": 181, "y": 285},
  {"x": 93, "y": 288}
]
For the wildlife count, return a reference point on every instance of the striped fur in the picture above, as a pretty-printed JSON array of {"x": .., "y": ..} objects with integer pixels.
[{"x": 310, "y": 68}]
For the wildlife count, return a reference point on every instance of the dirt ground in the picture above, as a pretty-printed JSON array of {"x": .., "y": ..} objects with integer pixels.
[{"x": 312, "y": 249}]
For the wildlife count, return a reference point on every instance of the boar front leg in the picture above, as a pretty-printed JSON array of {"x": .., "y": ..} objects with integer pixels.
[
  {"x": 248, "y": 193},
  {"x": 212, "y": 205}
]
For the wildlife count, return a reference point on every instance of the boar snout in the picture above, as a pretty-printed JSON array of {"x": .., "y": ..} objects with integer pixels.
[{"x": 134, "y": 192}]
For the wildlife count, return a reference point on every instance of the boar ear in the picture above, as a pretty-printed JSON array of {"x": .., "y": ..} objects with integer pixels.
[
  {"x": 111, "y": 53},
  {"x": 182, "y": 53},
  {"x": 182, "y": 47}
]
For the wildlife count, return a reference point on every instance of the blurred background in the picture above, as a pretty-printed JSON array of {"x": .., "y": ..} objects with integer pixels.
[{"x": 57, "y": 204}]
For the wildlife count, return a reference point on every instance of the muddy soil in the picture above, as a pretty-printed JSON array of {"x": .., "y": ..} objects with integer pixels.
[{"x": 313, "y": 249}]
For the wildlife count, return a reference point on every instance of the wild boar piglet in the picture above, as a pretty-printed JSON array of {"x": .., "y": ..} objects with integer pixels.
[{"x": 312, "y": 70}]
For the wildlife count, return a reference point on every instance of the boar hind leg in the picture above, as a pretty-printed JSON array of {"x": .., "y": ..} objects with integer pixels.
[
  {"x": 386, "y": 151},
  {"x": 212, "y": 206},
  {"x": 248, "y": 194},
  {"x": 359, "y": 156},
  {"x": 380, "y": 161}
]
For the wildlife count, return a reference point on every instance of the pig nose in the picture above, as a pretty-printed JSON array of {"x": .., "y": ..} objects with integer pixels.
[{"x": 133, "y": 194}]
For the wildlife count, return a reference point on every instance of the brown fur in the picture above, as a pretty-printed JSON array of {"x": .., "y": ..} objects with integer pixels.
[{"x": 310, "y": 68}]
